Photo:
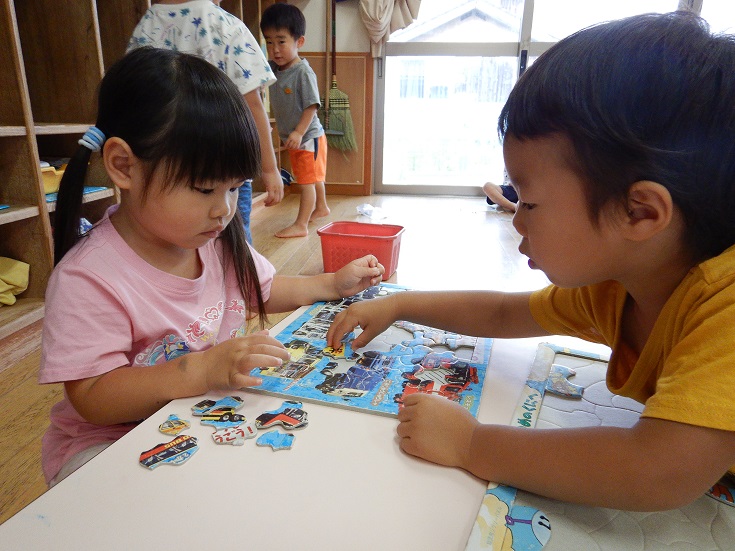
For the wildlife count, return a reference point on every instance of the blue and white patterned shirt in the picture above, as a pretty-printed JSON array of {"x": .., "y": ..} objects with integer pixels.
[{"x": 203, "y": 28}]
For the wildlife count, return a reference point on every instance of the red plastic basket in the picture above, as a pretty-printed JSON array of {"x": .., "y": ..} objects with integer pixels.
[{"x": 343, "y": 242}]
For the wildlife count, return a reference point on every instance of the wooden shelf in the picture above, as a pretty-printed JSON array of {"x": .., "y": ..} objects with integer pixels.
[
  {"x": 12, "y": 131},
  {"x": 19, "y": 315},
  {"x": 16, "y": 213},
  {"x": 87, "y": 198},
  {"x": 43, "y": 128}
]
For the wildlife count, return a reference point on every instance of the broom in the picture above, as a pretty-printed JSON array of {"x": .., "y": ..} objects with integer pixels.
[{"x": 337, "y": 119}]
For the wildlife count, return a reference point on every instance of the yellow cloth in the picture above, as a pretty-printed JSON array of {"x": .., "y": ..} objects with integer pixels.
[
  {"x": 685, "y": 371},
  {"x": 13, "y": 279}
]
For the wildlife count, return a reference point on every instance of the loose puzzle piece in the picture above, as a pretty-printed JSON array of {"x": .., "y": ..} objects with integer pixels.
[
  {"x": 173, "y": 425},
  {"x": 277, "y": 440},
  {"x": 205, "y": 406},
  {"x": 222, "y": 418},
  {"x": 290, "y": 415},
  {"x": 558, "y": 382},
  {"x": 176, "y": 452},
  {"x": 235, "y": 436}
]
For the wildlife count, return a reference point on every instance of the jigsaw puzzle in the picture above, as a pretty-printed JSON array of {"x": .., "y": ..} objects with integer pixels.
[{"x": 405, "y": 359}]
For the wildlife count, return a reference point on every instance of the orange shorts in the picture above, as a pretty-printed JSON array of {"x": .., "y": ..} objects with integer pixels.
[{"x": 310, "y": 167}]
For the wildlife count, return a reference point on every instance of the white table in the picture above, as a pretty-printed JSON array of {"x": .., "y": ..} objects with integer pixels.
[{"x": 345, "y": 484}]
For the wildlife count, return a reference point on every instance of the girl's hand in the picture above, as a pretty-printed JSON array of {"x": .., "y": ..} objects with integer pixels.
[
  {"x": 358, "y": 275},
  {"x": 373, "y": 316},
  {"x": 436, "y": 429},
  {"x": 228, "y": 364}
]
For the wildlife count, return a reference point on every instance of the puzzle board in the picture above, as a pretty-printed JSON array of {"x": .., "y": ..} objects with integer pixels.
[{"x": 405, "y": 359}]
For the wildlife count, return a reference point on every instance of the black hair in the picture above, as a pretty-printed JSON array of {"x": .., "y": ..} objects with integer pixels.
[
  {"x": 284, "y": 16},
  {"x": 182, "y": 115},
  {"x": 649, "y": 97}
]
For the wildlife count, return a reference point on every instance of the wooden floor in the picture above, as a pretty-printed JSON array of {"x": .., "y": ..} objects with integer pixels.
[{"x": 448, "y": 243}]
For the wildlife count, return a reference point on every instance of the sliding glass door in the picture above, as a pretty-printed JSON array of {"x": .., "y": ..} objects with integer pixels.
[{"x": 443, "y": 80}]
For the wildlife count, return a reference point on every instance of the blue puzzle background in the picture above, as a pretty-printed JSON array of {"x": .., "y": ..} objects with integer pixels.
[{"x": 405, "y": 359}]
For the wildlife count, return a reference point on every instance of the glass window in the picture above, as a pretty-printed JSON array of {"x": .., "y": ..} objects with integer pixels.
[
  {"x": 464, "y": 21},
  {"x": 441, "y": 118},
  {"x": 555, "y": 19}
]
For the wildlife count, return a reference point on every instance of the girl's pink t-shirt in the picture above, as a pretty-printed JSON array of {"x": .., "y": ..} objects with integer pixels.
[{"x": 106, "y": 307}]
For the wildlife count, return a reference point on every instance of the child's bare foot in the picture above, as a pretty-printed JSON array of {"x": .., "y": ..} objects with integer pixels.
[
  {"x": 293, "y": 231},
  {"x": 319, "y": 213}
]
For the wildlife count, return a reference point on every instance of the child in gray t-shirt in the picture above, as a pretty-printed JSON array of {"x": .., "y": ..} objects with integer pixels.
[{"x": 295, "y": 100}]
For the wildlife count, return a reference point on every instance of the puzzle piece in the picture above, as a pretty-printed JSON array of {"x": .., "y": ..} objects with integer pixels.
[
  {"x": 290, "y": 415},
  {"x": 221, "y": 419},
  {"x": 205, "y": 406},
  {"x": 176, "y": 452},
  {"x": 724, "y": 490},
  {"x": 173, "y": 425},
  {"x": 235, "y": 436},
  {"x": 430, "y": 336},
  {"x": 558, "y": 382},
  {"x": 277, "y": 440}
]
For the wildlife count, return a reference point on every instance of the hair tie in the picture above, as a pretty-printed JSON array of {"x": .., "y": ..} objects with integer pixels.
[{"x": 93, "y": 139}]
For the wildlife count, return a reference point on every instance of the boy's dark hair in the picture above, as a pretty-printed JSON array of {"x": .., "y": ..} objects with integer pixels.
[
  {"x": 650, "y": 97},
  {"x": 180, "y": 115},
  {"x": 284, "y": 16}
]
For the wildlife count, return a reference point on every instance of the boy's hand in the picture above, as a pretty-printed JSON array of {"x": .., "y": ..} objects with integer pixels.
[
  {"x": 228, "y": 364},
  {"x": 358, "y": 275},
  {"x": 294, "y": 140},
  {"x": 436, "y": 429},
  {"x": 373, "y": 316}
]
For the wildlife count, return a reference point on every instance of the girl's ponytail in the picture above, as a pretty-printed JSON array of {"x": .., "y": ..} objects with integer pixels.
[{"x": 68, "y": 213}]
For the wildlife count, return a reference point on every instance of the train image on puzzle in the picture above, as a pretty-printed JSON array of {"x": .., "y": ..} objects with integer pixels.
[{"x": 439, "y": 373}]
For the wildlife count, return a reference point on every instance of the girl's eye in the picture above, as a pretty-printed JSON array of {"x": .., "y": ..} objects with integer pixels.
[
  {"x": 234, "y": 189},
  {"x": 205, "y": 191}
]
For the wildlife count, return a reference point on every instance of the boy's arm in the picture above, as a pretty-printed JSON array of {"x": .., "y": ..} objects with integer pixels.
[
  {"x": 654, "y": 465},
  {"x": 269, "y": 167},
  {"x": 297, "y": 135},
  {"x": 476, "y": 313}
]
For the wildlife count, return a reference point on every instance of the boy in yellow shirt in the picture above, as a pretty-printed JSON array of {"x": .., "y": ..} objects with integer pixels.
[{"x": 620, "y": 141}]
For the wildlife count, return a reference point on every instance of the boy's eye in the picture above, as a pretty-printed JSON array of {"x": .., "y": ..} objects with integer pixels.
[{"x": 527, "y": 206}]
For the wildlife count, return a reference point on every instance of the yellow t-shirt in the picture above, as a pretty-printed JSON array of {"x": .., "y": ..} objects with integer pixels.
[{"x": 686, "y": 370}]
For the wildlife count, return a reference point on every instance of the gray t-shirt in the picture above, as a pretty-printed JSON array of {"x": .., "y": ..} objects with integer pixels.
[{"x": 294, "y": 90}]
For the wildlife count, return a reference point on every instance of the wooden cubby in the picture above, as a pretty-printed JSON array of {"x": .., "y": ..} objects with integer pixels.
[{"x": 53, "y": 56}]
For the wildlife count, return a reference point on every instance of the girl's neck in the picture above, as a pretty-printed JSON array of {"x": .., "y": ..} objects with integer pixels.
[{"x": 172, "y": 260}]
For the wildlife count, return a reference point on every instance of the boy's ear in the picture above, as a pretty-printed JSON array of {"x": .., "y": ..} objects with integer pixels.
[
  {"x": 650, "y": 210},
  {"x": 119, "y": 162},
  {"x": 300, "y": 42}
]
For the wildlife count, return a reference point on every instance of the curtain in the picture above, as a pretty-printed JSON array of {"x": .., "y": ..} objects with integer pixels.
[{"x": 382, "y": 17}]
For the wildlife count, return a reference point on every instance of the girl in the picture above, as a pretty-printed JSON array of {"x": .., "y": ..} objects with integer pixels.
[
  {"x": 164, "y": 280},
  {"x": 619, "y": 141}
]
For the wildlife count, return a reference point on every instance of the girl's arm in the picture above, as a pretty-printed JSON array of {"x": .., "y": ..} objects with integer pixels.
[
  {"x": 269, "y": 167},
  {"x": 290, "y": 292},
  {"x": 476, "y": 313},
  {"x": 654, "y": 465},
  {"x": 129, "y": 394}
]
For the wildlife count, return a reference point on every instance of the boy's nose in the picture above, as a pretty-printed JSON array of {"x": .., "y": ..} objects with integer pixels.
[{"x": 518, "y": 222}]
